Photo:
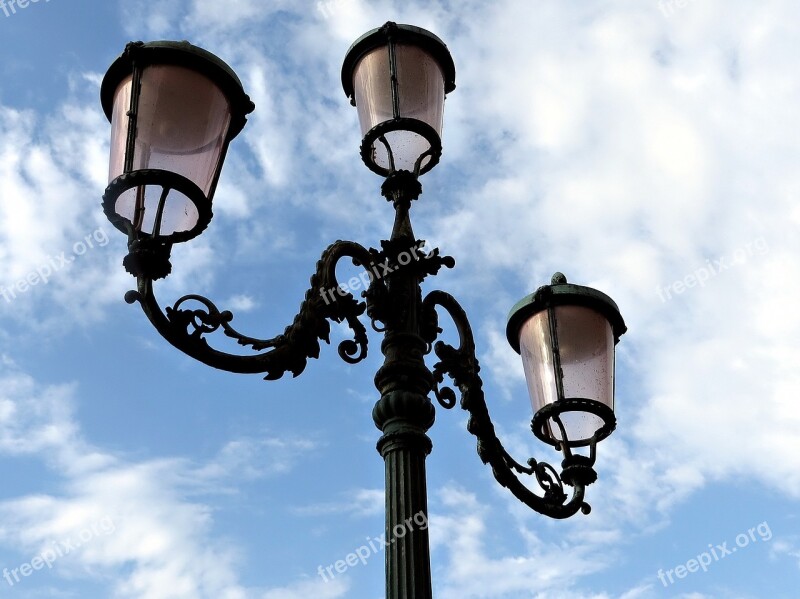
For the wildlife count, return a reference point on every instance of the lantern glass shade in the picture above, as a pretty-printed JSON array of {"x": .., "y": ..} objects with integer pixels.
[
  {"x": 181, "y": 127},
  {"x": 173, "y": 108},
  {"x": 397, "y": 77},
  {"x": 585, "y": 351},
  {"x": 566, "y": 335},
  {"x": 420, "y": 95},
  {"x": 119, "y": 128}
]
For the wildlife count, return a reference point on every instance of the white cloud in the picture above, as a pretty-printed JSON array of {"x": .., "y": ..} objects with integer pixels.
[
  {"x": 254, "y": 458},
  {"x": 360, "y": 502},
  {"x": 122, "y": 521},
  {"x": 474, "y": 570},
  {"x": 331, "y": 589},
  {"x": 240, "y": 303}
]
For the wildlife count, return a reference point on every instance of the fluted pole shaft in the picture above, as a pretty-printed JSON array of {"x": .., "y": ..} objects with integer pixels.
[
  {"x": 404, "y": 414},
  {"x": 408, "y": 570}
]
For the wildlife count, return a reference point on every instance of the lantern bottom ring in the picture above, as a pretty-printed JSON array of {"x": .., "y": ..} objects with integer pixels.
[
  {"x": 573, "y": 404},
  {"x": 421, "y": 128},
  {"x": 167, "y": 181}
]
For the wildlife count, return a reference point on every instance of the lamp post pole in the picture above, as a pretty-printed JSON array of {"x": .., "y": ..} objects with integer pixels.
[
  {"x": 174, "y": 108},
  {"x": 404, "y": 413}
]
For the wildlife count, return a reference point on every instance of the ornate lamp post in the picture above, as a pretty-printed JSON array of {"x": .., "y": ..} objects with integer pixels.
[{"x": 174, "y": 108}]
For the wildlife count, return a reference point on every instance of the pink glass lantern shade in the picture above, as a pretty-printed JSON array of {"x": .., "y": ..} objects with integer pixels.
[
  {"x": 174, "y": 108},
  {"x": 566, "y": 335},
  {"x": 397, "y": 77}
]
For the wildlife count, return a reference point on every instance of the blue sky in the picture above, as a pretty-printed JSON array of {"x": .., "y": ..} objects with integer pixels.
[{"x": 631, "y": 144}]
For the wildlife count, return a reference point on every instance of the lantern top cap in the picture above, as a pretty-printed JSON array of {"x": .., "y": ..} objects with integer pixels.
[
  {"x": 562, "y": 293},
  {"x": 399, "y": 34},
  {"x": 178, "y": 53}
]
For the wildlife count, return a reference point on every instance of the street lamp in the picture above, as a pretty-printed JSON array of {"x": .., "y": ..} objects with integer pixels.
[
  {"x": 174, "y": 108},
  {"x": 566, "y": 335}
]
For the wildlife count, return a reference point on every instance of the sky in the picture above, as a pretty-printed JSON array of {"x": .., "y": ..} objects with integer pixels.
[{"x": 645, "y": 148}]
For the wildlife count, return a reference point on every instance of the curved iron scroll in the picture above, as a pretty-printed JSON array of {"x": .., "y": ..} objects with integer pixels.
[
  {"x": 185, "y": 327},
  {"x": 461, "y": 365}
]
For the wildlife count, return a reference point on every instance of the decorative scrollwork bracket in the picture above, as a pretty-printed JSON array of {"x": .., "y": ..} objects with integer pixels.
[
  {"x": 461, "y": 365},
  {"x": 187, "y": 323}
]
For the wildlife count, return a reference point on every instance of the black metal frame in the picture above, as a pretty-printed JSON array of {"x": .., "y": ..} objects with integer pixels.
[
  {"x": 167, "y": 181},
  {"x": 138, "y": 55},
  {"x": 378, "y": 133},
  {"x": 397, "y": 315},
  {"x": 398, "y": 34},
  {"x": 561, "y": 293}
]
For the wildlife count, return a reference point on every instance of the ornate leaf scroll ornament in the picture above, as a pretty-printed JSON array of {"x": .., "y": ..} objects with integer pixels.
[{"x": 187, "y": 323}]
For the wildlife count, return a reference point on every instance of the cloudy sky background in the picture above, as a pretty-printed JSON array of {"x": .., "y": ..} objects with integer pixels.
[{"x": 627, "y": 143}]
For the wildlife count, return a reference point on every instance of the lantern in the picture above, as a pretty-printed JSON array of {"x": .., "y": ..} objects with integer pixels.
[
  {"x": 566, "y": 335},
  {"x": 174, "y": 108},
  {"x": 397, "y": 77}
]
